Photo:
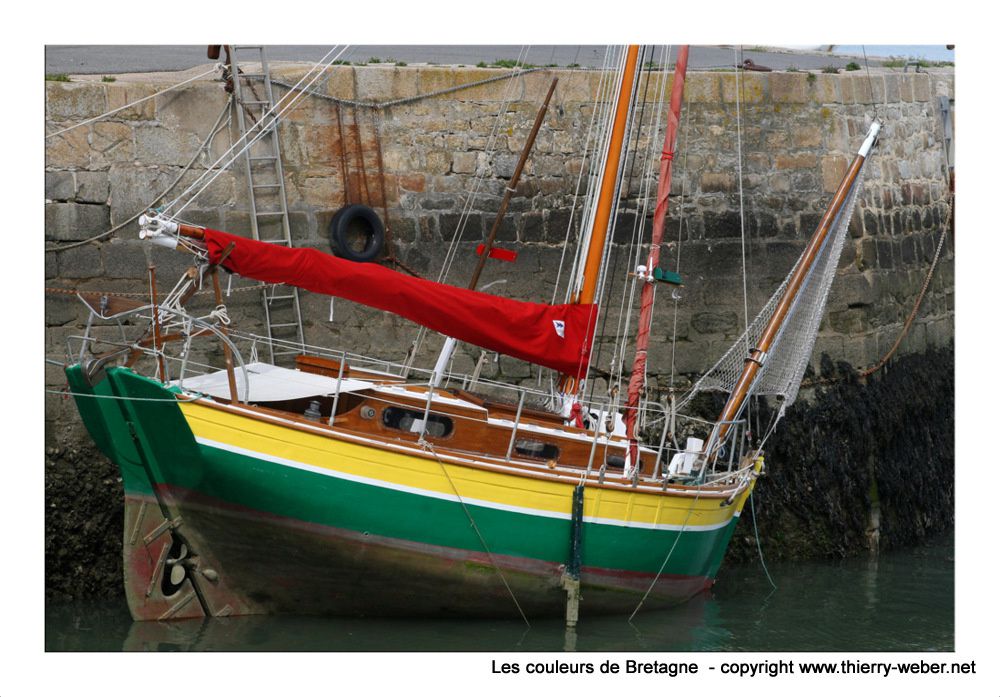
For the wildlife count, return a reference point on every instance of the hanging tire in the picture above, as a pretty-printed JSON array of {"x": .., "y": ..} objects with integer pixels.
[{"x": 357, "y": 233}]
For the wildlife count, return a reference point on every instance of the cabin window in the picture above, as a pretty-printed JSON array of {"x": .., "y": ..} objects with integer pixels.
[
  {"x": 536, "y": 448},
  {"x": 404, "y": 419}
]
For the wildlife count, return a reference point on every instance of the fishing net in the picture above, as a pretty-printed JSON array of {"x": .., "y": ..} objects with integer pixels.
[{"x": 786, "y": 362}]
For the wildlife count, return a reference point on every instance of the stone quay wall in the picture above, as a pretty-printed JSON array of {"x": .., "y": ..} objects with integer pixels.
[{"x": 798, "y": 132}]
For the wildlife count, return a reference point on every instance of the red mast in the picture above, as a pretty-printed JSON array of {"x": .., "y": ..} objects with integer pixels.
[{"x": 637, "y": 381}]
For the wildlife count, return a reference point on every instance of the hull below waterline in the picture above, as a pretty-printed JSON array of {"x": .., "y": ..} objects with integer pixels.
[
  {"x": 265, "y": 519},
  {"x": 273, "y": 565}
]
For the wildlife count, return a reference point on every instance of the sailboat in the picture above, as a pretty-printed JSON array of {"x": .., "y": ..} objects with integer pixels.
[{"x": 342, "y": 485}]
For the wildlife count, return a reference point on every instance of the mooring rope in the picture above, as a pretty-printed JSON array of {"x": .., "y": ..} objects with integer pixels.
[
  {"x": 756, "y": 535},
  {"x": 677, "y": 539},
  {"x": 430, "y": 448},
  {"x": 124, "y": 294}
]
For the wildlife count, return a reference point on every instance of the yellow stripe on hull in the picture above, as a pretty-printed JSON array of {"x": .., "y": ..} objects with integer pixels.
[{"x": 426, "y": 473}]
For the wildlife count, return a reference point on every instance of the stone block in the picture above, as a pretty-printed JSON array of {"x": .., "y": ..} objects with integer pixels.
[
  {"x": 81, "y": 262},
  {"x": 908, "y": 250},
  {"x": 323, "y": 190},
  {"x": 892, "y": 91},
  {"x": 721, "y": 225},
  {"x": 464, "y": 162},
  {"x": 533, "y": 226},
  {"x": 714, "y": 322},
  {"x": 624, "y": 227},
  {"x": 751, "y": 88},
  {"x": 437, "y": 162},
  {"x": 508, "y": 230},
  {"x": 220, "y": 193},
  {"x": 122, "y": 93},
  {"x": 61, "y": 310},
  {"x": 125, "y": 258},
  {"x": 702, "y": 88},
  {"x": 304, "y": 229},
  {"x": 341, "y": 82},
  {"x": 74, "y": 221},
  {"x": 808, "y": 136},
  {"x": 411, "y": 182},
  {"x": 59, "y": 186},
  {"x": 134, "y": 189},
  {"x": 849, "y": 321},
  {"x": 779, "y": 182},
  {"x": 717, "y": 181},
  {"x": 862, "y": 89},
  {"x": 155, "y": 145},
  {"x": 472, "y": 229},
  {"x": 851, "y": 290},
  {"x": 802, "y": 160},
  {"x": 921, "y": 87},
  {"x": 92, "y": 187},
  {"x": 790, "y": 88},
  {"x": 557, "y": 222},
  {"x": 110, "y": 143},
  {"x": 805, "y": 181},
  {"x": 439, "y": 202},
  {"x": 74, "y": 101},
  {"x": 940, "y": 333},
  {"x": 830, "y": 344},
  {"x": 69, "y": 149},
  {"x": 866, "y": 255},
  {"x": 825, "y": 89}
]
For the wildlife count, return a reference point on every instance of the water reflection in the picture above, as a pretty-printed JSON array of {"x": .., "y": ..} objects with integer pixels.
[{"x": 901, "y": 602}]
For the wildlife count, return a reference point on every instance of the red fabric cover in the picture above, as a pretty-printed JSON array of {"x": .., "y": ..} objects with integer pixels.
[
  {"x": 497, "y": 253},
  {"x": 512, "y": 327}
]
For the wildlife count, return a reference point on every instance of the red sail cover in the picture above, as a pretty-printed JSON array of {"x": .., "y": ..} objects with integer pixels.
[{"x": 555, "y": 336}]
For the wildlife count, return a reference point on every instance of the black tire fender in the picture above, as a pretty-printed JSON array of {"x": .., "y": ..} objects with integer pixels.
[{"x": 348, "y": 222}]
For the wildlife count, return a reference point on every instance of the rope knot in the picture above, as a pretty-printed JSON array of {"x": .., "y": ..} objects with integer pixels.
[{"x": 220, "y": 314}]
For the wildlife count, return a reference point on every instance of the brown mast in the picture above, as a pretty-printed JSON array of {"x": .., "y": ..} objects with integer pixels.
[
  {"x": 609, "y": 179},
  {"x": 638, "y": 380},
  {"x": 605, "y": 201},
  {"x": 758, "y": 355},
  {"x": 511, "y": 186}
]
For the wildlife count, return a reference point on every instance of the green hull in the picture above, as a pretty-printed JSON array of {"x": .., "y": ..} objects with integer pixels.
[{"x": 283, "y": 537}]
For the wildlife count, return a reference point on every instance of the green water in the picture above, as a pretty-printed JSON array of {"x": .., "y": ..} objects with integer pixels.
[{"x": 903, "y": 601}]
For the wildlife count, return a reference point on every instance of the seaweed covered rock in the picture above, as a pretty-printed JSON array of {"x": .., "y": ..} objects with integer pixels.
[
  {"x": 861, "y": 466},
  {"x": 84, "y": 512}
]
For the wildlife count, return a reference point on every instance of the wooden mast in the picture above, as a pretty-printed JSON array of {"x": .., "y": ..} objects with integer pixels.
[
  {"x": 448, "y": 349},
  {"x": 605, "y": 201},
  {"x": 638, "y": 379},
  {"x": 758, "y": 355},
  {"x": 609, "y": 179},
  {"x": 512, "y": 185}
]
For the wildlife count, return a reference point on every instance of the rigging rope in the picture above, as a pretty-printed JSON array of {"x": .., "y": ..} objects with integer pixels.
[
  {"x": 214, "y": 131},
  {"x": 756, "y": 535},
  {"x": 739, "y": 176},
  {"x": 274, "y": 112},
  {"x": 477, "y": 183},
  {"x": 675, "y": 293},
  {"x": 132, "y": 104},
  {"x": 429, "y": 447},
  {"x": 670, "y": 553}
]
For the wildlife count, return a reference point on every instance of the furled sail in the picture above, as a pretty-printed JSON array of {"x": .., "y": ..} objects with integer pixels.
[{"x": 554, "y": 336}]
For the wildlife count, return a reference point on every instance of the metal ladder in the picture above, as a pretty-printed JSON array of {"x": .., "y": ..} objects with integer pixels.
[{"x": 268, "y": 202}]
